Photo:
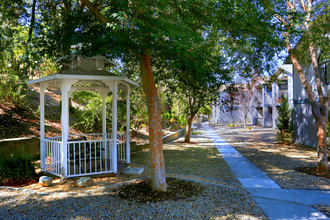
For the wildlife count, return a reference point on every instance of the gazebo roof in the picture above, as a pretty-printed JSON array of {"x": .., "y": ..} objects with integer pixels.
[
  {"x": 89, "y": 73},
  {"x": 87, "y": 80}
]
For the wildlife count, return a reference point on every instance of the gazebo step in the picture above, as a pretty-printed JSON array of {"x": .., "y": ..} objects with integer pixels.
[{"x": 134, "y": 171}]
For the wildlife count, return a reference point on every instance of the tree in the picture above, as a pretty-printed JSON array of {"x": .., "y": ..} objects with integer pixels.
[
  {"x": 245, "y": 98},
  {"x": 198, "y": 95},
  {"x": 303, "y": 25},
  {"x": 196, "y": 92},
  {"x": 147, "y": 30},
  {"x": 14, "y": 54},
  {"x": 205, "y": 110},
  {"x": 230, "y": 101},
  {"x": 284, "y": 121},
  {"x": 147, "y": 33},
  {"x": 197, "y": 79}
]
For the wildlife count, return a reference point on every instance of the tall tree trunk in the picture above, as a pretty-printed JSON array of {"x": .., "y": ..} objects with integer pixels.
[
  {"x": 320, "y": 116},
  {"x": 245, "y": 120},
  {"x": 158, "y": 180},
  {"x": 33, "y": 18},
  {"x": 322, "y": 151},
  {"x": 67, "y": 29},
  {"x": 27, "y": 67},
  {"x": 232, "y": 117},
  {"x": 188, "y": 129}
]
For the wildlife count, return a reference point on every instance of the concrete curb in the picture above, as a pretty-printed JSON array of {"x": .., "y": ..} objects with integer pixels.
[
  {"x": 171, "y": 137},
  {"x": 166, "y": 139},
  {"x": 18, "y": 139}
]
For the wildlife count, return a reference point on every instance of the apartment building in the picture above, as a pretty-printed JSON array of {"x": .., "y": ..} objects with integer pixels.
[
  {"x": 268, "y": 96},
  {"x": 267, "y": 93}
]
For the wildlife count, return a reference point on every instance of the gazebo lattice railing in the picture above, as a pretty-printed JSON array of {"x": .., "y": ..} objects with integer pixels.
[{"x": 89, "y": 154}]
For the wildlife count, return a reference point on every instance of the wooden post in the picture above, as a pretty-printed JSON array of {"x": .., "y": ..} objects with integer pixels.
[
  {"x": 104, "y": 94},
  {"x": 114, "y": 126},
  {"x": 128, "y": 125},
  {"x": 43, "y": 87},
  {"x": 65, "y": 89}
]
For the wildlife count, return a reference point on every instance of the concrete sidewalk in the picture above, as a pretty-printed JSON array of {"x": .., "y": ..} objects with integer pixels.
[{"x": 277, "y": 203}]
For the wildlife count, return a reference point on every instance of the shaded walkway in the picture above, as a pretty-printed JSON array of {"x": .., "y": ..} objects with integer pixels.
[{"x": 277, "y": 203}]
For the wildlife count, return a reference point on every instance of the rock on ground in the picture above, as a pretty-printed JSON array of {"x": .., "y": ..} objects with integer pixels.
[
  {"x": 45, "y": 181},
  {"x": 84, "y": 182}
]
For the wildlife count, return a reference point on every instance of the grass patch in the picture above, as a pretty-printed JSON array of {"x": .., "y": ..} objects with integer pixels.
[
  {"x": 196, "y": 133},
  {"x": 189, "y": 159},
  {"x": 17, "y": 169}
]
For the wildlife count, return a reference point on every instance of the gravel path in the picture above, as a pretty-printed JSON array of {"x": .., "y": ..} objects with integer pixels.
[
  {"x": 215, "y": 201},
  {"x": 278, "y": 161},
  {"x": 222, "y": 196}
]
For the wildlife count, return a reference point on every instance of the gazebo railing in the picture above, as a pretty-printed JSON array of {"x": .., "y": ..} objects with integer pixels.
[
  {"x": 122, "y": 147},
  {"x": 87, "y": 154},
  {"x": 90, "y": 157},
  {"x": 121, "y": 142},
  {"x": 52, "y": 156}
]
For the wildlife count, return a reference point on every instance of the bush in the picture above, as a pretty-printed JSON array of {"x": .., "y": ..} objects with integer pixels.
[
  {"x": 17, "y": 166},
  {"x": 13, "y": 90},
  {"x": 284, "y": 125},
  {"x": 172, "y": 120}
]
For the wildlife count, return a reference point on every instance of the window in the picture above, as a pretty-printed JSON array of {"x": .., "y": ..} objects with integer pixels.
[
  {"x": 325, "y": 72},
  {"x": 270, "y": 110},
  {"x": 283, "y": 85},
  {"x": 268, "y": 87}
]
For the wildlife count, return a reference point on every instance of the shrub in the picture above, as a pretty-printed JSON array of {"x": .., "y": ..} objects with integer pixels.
[
  {"x": 17, "y": 166},
  {"x": 89, "y": 120},
  {"x": 284, "y": 125},
  {"x": 13, "y": 90}
]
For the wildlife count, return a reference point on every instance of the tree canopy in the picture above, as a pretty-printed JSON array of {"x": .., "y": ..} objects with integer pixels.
[{"x": 194, "y": 46}]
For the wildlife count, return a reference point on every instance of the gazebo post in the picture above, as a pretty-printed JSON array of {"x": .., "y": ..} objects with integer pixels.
[
  {"x": 114, "y": 125},
  {"x": 128, "y": 125},
  {"x": 43, "y": 87},
  {"x": 65, "y": 90},
  {"x": 104, "y": 94}
]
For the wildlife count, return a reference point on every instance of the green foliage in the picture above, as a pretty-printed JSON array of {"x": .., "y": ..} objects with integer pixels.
[
  {"x": 139, "y": 111},
  {"x": 19, "y": 57},
  {"x": 90, "y": 119},
  {"x": 195, "y": 133},
  {"x": 206, "y": 110},
  {"x": 284, "y": 125},
  {"x": 172, "y": 120},
  {"x": 13, "y": 90},
  {"x": 17, "y": 166}
]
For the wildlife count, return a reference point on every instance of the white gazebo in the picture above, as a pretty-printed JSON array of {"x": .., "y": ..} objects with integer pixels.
[{"x": 87, "y": 154}]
